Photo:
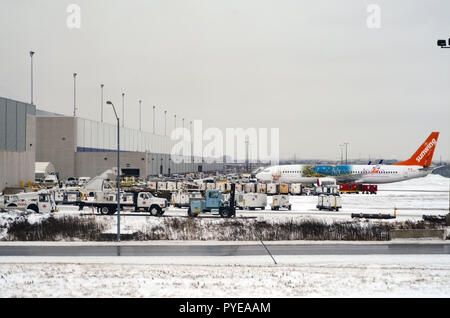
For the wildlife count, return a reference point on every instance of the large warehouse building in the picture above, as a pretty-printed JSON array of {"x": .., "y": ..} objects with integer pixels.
[
  {"x": 17, "y": 142},
  {"x": 81, "y": 147}
]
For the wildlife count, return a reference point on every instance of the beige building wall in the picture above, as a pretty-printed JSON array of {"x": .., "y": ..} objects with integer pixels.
[
  {"x": 56, "y": 143},
  {"x": 91, "y": 164}
]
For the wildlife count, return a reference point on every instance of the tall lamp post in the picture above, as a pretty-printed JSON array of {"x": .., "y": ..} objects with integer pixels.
[
  {"x": 340, "y": 147},
  {"x": 123, "y": 109},
  {"x": 346, "y": 143},
  {"x": 118, "y": 170},
  {"x": 101, "y": 104},
  {"x": 74, "y": 95},
  {"x": 443, "y": 45},
  {"x": 31, "y": 56},
  {"x": 154, "y": 119},
  {"x": 140, "y": 115},
  {"x": 165, "y": 122}
]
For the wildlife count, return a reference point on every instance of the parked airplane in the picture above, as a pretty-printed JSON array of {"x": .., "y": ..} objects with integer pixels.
[{"x": 417, "y": 166}]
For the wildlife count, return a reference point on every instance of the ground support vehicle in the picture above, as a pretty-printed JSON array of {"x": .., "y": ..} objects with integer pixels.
[{"x": 213, "y": 203}]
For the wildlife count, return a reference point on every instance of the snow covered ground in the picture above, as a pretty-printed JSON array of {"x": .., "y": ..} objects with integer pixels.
[{"x": 294, "y": 276}]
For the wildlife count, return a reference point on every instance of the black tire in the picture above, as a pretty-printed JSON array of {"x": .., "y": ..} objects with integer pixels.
[
  {"x": 33, "y": 207},
  {"x": 190, "y": 214},
  {"x": 155, "y": 210},
  {"x": 111, "y": 210},
  {"x": 103, "y": 210},
  {"x": 263, "y": 208},
  {"x": 225, "y": 212},
  {"x": 290, "y": 207}
]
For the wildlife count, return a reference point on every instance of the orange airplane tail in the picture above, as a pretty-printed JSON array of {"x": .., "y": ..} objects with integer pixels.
[{"x": 424, "y": 154}]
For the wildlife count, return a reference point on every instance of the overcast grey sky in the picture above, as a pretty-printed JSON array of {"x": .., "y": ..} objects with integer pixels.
[{"x": 312, "y": 68}]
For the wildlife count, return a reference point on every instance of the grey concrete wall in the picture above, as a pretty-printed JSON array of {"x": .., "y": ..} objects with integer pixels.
[
  {"x": 56, "y": 143},
  {"x": 90, "y": 164},
  {"x": 17, "y": 166}
]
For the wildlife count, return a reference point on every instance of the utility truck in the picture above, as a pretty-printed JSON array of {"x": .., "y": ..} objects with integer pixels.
[
  {"x": 214, "y": 203},
  {"x": 39, "y": 202},
  {"x": 106, "y": 202}
]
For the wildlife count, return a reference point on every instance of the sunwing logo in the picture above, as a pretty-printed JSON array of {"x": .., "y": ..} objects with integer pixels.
[{"x": 430, "y": 145}]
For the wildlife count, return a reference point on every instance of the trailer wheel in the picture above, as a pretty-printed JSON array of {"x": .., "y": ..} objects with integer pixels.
[
  {"x": 155, "y": 210},
  {"x": 33, "y": 207},
  {"x": 104, "y": 210},
  {"x": 225, "y": 212},
  {"x": 111, "y": 210},
  {"x": 190, "y": 214}
]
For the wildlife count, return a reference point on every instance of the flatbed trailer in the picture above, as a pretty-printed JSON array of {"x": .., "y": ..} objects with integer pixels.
[{"x": 106, "y": 203}]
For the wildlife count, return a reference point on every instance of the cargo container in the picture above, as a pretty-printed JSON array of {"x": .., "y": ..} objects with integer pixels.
[
  {"x": 181, "y": 199},
  {"x": 162, "y": 185},
  {"x": 251, "y": 201},
  {"x": 171, "y": 186},
  {"x": 249, "y": 188},
  {"x": 261, "y": 188},
  {"x": 329, "y": 202},
  {"x": 272, "y": 188},
  {"x": 152, "y": 185},
  {"x": 326, "y": 189},
  {"x": 280, "y": 201},
  {"x": 284, "y": 188},
  {"x": 295, "y": 188}
]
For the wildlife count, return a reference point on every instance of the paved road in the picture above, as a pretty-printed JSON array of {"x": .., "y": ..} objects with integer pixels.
[{"x": 225, "y": 250}]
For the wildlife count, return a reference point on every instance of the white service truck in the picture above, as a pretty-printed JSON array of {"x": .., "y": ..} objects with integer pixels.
[{"x": 39, "y": 202}]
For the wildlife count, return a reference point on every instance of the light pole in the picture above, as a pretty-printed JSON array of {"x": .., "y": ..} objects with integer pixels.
[
  {"x": 123, "y": 109},
  {"x": 31, "y": 56},
  {"x": 118, "y": 170},
  {"x": 165, "y": 122},
  {"x": 154, "y": 119},
  {"x": 340, "y": 147},
  {"x": 101, "y": 107},
  {"x": 346, "y": 143},
  {"x": 74, "y": 95},
  {"x": 140, "y": 115},
  {"x": 175, "y": 121},
  {"x": 443, "y": 45}
]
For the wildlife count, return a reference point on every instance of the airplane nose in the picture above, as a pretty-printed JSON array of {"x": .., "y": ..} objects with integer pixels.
[{"x": 262, "y": 176}]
